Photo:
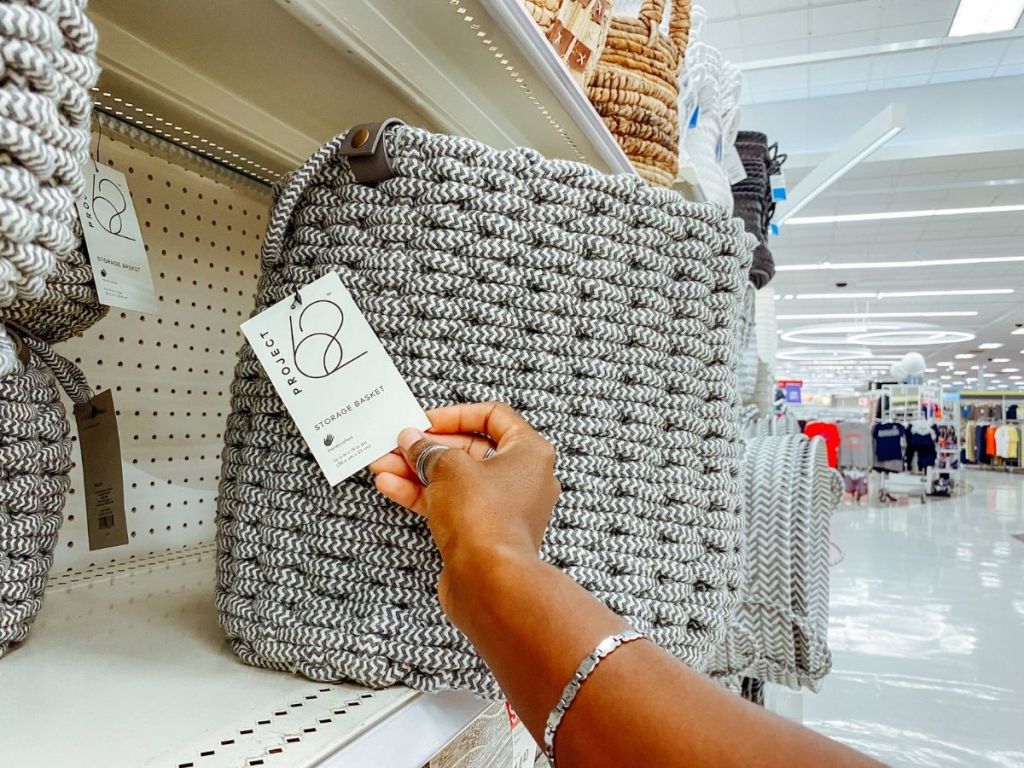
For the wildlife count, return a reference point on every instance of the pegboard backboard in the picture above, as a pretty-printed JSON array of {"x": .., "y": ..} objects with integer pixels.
[{"x": 170, "y": 373}]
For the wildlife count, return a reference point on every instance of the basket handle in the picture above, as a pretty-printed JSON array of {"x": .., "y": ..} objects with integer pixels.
[
  {"x": 288, "y": 195},
  {"x": 652, "y": 11},
  {"x": 679, "y": 30}
]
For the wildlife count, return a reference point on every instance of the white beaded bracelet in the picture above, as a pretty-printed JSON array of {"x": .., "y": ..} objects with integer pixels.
[{"x": 583, "y": 671}]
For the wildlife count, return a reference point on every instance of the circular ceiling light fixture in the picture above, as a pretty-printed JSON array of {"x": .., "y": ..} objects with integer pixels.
[
  {"x": 839, "y": 333},
  {"x": 823, "y": 354},
  {"x": 921, "y": 337}
]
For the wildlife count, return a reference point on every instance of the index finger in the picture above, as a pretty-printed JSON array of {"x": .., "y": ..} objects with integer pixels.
[{"x": 496, "y": 420}]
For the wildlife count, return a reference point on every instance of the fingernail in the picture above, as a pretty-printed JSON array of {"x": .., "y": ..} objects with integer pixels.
[{"x": 408, "y": 437}]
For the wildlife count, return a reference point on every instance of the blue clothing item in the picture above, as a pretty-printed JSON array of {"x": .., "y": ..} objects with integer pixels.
[
  {"x": 923, "y": 447},
  {"x": 888, "y": 441}
]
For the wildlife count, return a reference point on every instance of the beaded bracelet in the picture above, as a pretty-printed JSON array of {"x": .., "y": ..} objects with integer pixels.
[{"x": 583, "y": 671}]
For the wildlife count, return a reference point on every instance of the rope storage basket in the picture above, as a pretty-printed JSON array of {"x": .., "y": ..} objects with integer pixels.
[
  {"x": 47, "y": 65},
  {"x": 753, "y": 198},
  {"x": 780, "y": 630},
  {"x": 635, "y": 87},
  {"x": 35, "y": 459},
  {"x": 603, "y": 309}
]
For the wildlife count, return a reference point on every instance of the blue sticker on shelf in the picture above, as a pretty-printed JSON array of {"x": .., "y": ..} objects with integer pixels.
[
  {"x": 695, "y": 116},
  {"x": 779, "y": 193},
  {"x": 775, "y": 229}
]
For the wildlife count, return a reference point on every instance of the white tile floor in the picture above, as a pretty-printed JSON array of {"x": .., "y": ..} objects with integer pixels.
[{"x": 927, "y": 630}]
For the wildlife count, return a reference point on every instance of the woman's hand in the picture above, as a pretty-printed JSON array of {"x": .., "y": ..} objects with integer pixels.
[{"x": 483, "y": 512}]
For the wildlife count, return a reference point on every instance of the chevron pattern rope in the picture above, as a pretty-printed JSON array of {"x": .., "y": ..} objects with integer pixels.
[
  {"x": 47, "y": 65},
  {"x": 69, "y": 306},
  {"x": 35, "y": 459},
  {"x": 779, "y": 633},
  {"x": 603, "y": 309}
]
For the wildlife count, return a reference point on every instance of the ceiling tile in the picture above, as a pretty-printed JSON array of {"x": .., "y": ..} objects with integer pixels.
[
  {"x": 963, "y": 74},
  {"x": 846, "y": 17},
  {"x": 973, "y": 56},
  {"x": 903, "y": 64},
  {"x": 843, "y": 71},
  {"x": 896, "y": 12},
  {"x": 774, "y": 27}
]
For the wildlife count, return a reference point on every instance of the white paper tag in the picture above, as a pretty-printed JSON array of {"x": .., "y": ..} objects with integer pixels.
[
  {"x": 733, "y": 165},
  {"x": 336, "y": 380},
  {"x": 120, "y": 265}
]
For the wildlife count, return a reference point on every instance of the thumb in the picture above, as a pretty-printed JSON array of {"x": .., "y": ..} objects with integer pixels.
[{"x": 424, "y": 456}]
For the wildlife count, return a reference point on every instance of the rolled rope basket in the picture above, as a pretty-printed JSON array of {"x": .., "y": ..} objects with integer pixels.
[
  {"x": 780, "y": 630},
  {"x": 35, "y": 462},
  {"x": 47, "y": 65},
  {"x": 603, "y": 309}
]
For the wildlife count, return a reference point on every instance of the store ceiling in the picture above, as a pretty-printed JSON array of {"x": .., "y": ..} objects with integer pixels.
[{"x": 816, "y": 71}]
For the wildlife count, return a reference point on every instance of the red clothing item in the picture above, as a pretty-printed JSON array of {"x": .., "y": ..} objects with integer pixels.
[
  {"x": 990, "y": 440},
  {"x": 829, "y": 432}
]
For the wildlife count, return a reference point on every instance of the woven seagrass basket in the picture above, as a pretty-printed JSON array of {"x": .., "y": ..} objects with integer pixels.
[
  {"x": 635, "y": 87},
  {"x": 543, "y": 11}
]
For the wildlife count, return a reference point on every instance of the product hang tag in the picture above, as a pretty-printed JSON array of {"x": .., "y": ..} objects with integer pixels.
[
  {"x": 778, "y": 185},
  {"x": 101, "y": 469},
  {"x": 334, "y": 376},
  {"x": 733, "y": 166},
  {"x": 113, "y": 239}
]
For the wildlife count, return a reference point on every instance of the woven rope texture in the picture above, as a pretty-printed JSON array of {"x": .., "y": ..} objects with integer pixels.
[
  {"x": 753, "y": 198},
  {"x": 35, "y": 459},
  {"x": 601, "y": 308},
  {"x": 47, "y": 65},
  {"x": 780, "y": 630}
]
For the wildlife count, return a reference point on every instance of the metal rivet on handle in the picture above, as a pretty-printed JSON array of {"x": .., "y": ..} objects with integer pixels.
[{"x": 360, "y": 137}]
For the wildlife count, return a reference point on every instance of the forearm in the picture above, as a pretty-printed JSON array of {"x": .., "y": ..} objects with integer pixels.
[{"x": 533, "y": 625}]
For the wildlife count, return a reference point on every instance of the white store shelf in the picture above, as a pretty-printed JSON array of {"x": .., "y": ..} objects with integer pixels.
[{"x": 128, "y": 667}]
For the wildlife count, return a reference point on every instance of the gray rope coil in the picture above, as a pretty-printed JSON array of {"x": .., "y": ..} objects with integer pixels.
[
  {"x": 35, "y": 462},
  {"x": 780, "y": 629},
  {"x": 47, "y": 65},
  {"x": 746, "y": 340},
  {"x": 601, "y": 308}
]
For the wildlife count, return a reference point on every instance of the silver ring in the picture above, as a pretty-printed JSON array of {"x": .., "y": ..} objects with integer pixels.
[
  {"x": 489, "y": 452},
  {"x": 421, "y": 461}
]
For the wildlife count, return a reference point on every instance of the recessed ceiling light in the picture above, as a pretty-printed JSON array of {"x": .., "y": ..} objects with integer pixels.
[
  {"x": 975, "y": 367},
  {"x": 873, "y": 315},
  {"x": 930, "y": 370},
  {"x": 1009, "y": 370},
  {"x": 844, "y": 218},
  {"x": 1018, "y": 332},
  {"x": 1014, "y": 378},
  {"x": 944, "y": 377},
  {"x": 945, "y": 363},
  {"x": 989, "y": 375},
  {"x": 983, "y": 17},
  {"x": 959, "y": 373},
  {"x": 964, "y": 356},
  {"x": 892, "y": 264},
  {"x": 990, "y": 345}
]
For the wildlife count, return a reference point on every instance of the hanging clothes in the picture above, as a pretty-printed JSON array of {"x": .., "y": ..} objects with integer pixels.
[
  {"x": 829, "y": 432},
  {"x": 888, "y": 439},
  {"x": 990, "y": 441},
  {"x": 854, "y": 445},
  {"x": 921, "y": 445}
]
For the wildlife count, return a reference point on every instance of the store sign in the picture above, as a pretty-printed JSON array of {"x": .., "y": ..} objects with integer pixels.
[{"x": 792, "y": 389}]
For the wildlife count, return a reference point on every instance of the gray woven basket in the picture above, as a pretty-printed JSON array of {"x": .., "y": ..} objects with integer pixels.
[
  {"x": 601, "y": 308},
  {"x": 780, "y": 631},
  {"x": 35, "y": 459}
]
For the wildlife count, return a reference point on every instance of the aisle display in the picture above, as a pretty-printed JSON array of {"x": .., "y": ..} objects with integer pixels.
[
  {"x": 470, "y": 308},
  {"x": 47, "y": 64},
  {"x": 635, "y": 87},
  {"x": 780, "y": 630}
]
